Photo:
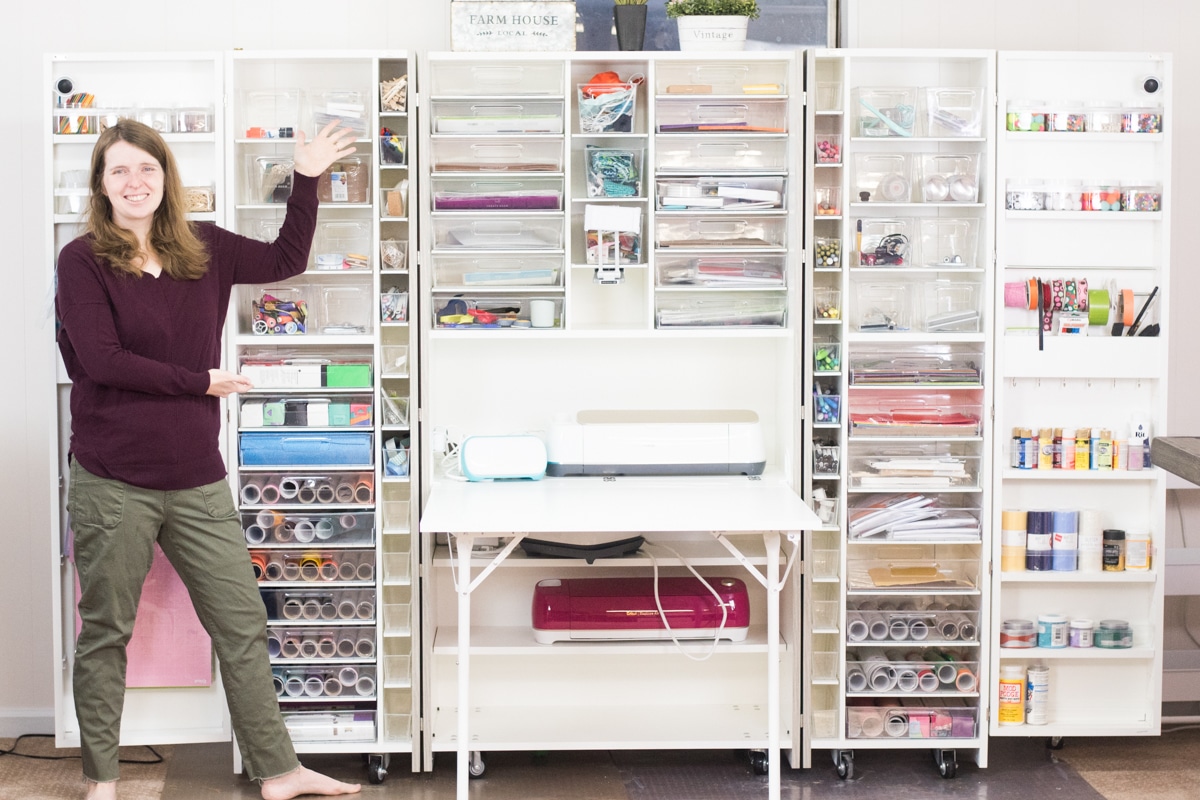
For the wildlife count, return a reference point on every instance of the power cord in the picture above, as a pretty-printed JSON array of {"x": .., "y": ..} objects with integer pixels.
[
  {"x": 663, "y": 614},
  {"x": 158, "y": 759}
]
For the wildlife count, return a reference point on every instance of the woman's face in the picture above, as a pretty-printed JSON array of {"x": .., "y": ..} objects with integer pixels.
[{"x": 133, "y": 184}]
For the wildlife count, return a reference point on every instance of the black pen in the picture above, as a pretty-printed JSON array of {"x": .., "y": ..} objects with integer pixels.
[{"x": 1138, "y": 320}]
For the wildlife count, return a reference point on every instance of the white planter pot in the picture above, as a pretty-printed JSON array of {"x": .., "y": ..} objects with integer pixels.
[{"x": 712, "y": 33}]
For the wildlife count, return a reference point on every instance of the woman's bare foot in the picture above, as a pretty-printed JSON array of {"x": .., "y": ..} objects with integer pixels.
[
  {"x": 302, "y": 781},
  {"x": 101, "y": 791}
]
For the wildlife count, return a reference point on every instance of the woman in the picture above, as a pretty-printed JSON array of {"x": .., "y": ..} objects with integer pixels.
[{"x": 141, "y": 303}]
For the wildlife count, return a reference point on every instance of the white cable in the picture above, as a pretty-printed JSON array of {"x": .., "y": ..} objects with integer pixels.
[{"x": 663, "y": 615}]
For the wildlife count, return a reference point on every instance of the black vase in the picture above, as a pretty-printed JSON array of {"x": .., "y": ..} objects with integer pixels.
[{"x": 631, "y": 26}]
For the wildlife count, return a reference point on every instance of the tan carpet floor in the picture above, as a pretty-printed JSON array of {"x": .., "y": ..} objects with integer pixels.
[
  {"x": 1165, "y": 767},
  {"x": 59, "y": 775}
]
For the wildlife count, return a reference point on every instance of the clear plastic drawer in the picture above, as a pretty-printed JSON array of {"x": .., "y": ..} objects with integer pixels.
[
  {"x": 751, "y": 77},
  {"x": 950, "y": 178},
  {"x": 932, "y": 364},
  {"x": 873, "y": 622},
  {"x": 498, "y": 233},
  {"x": 313, "y": 566},
  {"x": 305, "y": 488},
  {"x": 949, "y": 243},
  {"x": 459, "y": 271},
  {"x": 885, "y": 111},
  {"x": 272, "y": 527},
  {"x": 291, "y": 411},
  {"x": 497, "y": 79},
  {"x": 882, "y": 178},
  {"x": 497, "y": 117},
  {"x": 497, "y": 155},
  {"x": 749, "y": 116},
  {"x": 709, "y": 310},
  {"x": 913, "y": 568},
  {"x": 709, "y": 233},
  {"x": 720, "y": 194},
  {"x": 917, "y": 468},
  {"x": 317, "y": 681},
  {"x": 319, "y": 605},
  {"x": 330, "y": 726},
  {"x": 700, "y": 154},
  {"x": 920, "y": 720},
  {"x": 342, "y": 244},
  {"x": 911, "y": 672},
  {"x": 508, "y": 193},
  {"x": 914, "y": 413},
  {"x": 290, "y": 643},
  {"x": 721, "y": 271},
  {"x": 498, "y": 312}
]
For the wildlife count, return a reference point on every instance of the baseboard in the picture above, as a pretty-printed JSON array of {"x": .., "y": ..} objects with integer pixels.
[{"x": 16, "y": 721}]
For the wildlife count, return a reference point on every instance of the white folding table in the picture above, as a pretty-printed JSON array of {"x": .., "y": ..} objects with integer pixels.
[{"x": 719, "y": 505}]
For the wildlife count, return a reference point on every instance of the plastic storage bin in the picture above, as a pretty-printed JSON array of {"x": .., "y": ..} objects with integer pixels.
[
  {"x": 950, "y": 178},
  {"x": 497, "y": 155},
  {"x": 269, "y": 179},
  {"x": 953, "y": 112},
  {"x": 828, "y": 252},
  {"x": 722, "y": 117},
  {"x": 920, "y": 720},
  {"x": 882, "y": 112},
  {"x": 497, "y": 117},
  {"x": 347, "y": 106},
  {"x": 884, "y": 242},
  {"x": 720, "y": 194},
  {"x": 948, "y": 243},
  {"x": 498, "y": 233},
  {"x": 827, "y": 356},
  {"x": 347, "y": 180},
  {"x": 513, "y": 78},
  {"x": 304, "y": 411},
  {"x": 305, "y": 488},
  {"x": 827, "y": 303},
  {"x": 883, "y": 306},
  {"x": 721, "y": 271},
  {"x": 728, "y": 77},
  {"x": 508, "y": 193},
  {"x": 1141, "y": 197},
  {"x": 497, "y": 312},
  {"x": 727, "y": 154},
  {"x": 342, "y": 245},
  {"x": 753, "y": 233},
  {"x": 713, "y": 310},
  {"x": 270, "y": 113},
  {"x": 531, "y": 270},
  {"x": 882, "y": 178},
  {"x": 829, "y": 148},
  {"x": 606, "y": 107},
  {"x": 1025, "y": 195},
  {"x": 286, "y": 643},
  {"x": 613, "y": 171},
  {"x": 313, "y": 566},
  {"x": 828, "y": 201},
  {"x": 331, "y": 726},
  {"x": 346, "y": 309},
  {"x": 319, "y": 605},
  {"x": 1141, "y": 120},
  {"x": 273, "y": 527},
  {"x": 1025, "y": 116},
  {"x": 952, "y": 306},
  {"x": 303, "y": 448}
]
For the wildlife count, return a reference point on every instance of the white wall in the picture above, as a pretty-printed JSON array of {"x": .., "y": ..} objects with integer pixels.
[{"x": 26, "y": 409}]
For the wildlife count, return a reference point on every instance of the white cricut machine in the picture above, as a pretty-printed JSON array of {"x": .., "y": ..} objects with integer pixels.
[{"x": 666, "y": 442}]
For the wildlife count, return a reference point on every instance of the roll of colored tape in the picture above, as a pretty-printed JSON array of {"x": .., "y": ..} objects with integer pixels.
[
  {"x": 1032, "y": 291},
  {"x": 1127, "y": 307},
  {"x": 1097, "y": 306}
]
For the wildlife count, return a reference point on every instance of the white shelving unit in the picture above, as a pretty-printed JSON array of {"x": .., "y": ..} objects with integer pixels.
[
  {"x": 611, "y": 345},
  {"x": 1093, "y": 380},
  {"x": 900, "y": 160},
  {"x": 328, "y": 500},
  {"x": 157, "y": 88}
]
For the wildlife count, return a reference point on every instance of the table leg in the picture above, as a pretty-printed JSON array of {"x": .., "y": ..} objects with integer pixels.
[
  {"x": 772, "y": 541},
  {"x": 464, "y": 544}
]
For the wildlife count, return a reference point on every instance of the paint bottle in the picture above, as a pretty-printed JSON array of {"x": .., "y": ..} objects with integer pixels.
[
  {"x": 1031, "y": 448},
  {"x": 1139, "y": 431},
  {"x": 1083, "y": 448},
  {"x": 1052, "y": 630},
  {"x": 1103, "y": 452},
  {"x": 1016, "y": 456},
  {"x": 1045, "y": 448},
  {"x": 1068, "y": 448},
  {"x": 1114, "y": 550},
  {"x": 1037, "y": 694},
  {"x": 1058, "y": 448},
  {"x": 1012, "y": 694},
  {"x": 1094, "y": 449}
]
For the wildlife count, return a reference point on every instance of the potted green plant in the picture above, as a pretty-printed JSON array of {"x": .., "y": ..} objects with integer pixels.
[
  {"x": 630, "y": 19},
  {"x": 712, "y": 24}
]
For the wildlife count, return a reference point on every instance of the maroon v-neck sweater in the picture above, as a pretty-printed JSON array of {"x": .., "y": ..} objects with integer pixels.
[{"x": 138, "y": 350}]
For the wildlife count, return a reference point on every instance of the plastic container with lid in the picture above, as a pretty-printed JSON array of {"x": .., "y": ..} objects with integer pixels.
[
  {"x": 1062, "y": 195},
  {"x": 1018, "y": 633},
  {"x": 1141, "y": 120},
  {"x": 1101, "y": 195},
  {"x": 1025, "y": 116},
  {"x": 1024, "y": 195},
  {"x": 1137, "y": 550},
  {"x": 1066, "y": 117},
  {"x": 1104, "y": 116},
  {"x": 1113, "y": 634},
  {"x": 1114, "y": 550},
  {"x": 1141, "y": 196},
  {"x": 1052, "y": 630},
  {"x": 1081, "y": 632}
]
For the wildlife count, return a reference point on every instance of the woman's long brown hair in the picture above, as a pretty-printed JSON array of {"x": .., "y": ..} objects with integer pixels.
[{"x": 179, "y": 251}]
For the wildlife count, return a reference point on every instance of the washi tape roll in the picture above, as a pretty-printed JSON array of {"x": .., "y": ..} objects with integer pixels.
[
  {"x": 1127, "y": 307},
  {"x": 1098, "y": 306}
]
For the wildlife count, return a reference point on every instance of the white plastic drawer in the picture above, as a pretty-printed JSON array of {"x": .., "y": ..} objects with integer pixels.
[
  {"x": 458, "y": 271},
  {"x": 749, "y": 77},
  {"x": 720, "y": 310},
  {"x": 497, "y": 155},
  {"x": 710, "y": 233},
  {"x": 497, "y": 117},
  {"x": 720, "y": 193},
  {"x": 753, "y": 115},
  {"x": 695, "y": 154},
  {"x": 496, "y": 79},
  {"x": 480, "y": 232},
  {"x": 721, "y": 271}
]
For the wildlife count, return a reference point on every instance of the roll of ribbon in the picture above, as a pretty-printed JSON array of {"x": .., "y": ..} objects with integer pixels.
[
  {"x": 1127, "y": 309},
  {"x": 1016, "y": 294},
  {"x": 1031, "y": 293},
  {"x": 1098, "y": 306}
]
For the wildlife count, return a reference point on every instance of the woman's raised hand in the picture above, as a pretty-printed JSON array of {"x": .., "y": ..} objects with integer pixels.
[{"x": 330, "y": 144}]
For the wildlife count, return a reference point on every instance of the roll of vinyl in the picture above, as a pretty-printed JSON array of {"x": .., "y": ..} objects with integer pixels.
[
  {"x": 906, "y": 678},
  {"x": 881, "y": 675},
  {"x": 348, "y": 522},
  {"x": 946, "y": 672},
  {"x": 290, "y": 647},
  {"x": 1098, "y": 306},
  {"x": 898, "y": 629},
  {"x": 252, "y": 493},
  {"x": 305, "y": 531},
  {"x": 274, "y": 644},
  {"x": 344, "y": 493},
  {"x": 291, "y": 571},
  {"x": 258, "y": 562},
  {"x": 965, "y": 681},
  {"x": 948, "y": 627},
  {"x": 307, "y": 493},
  {"x": 872, "y": 723},
  {"x": 277, "y": 680},
  {"x": 856, "y": 628},
  {"x": 856, "y": 679},
  {"x": 365, "y": 686},
  {"x": 310, "y": 568},
  {"x": 329, "y": 570},
  {"x": 326, "y": 647},
  {"x": 927, "y": 680},
  {"x": 324, "y": 529},
  {"x": 333, "y": 687},
  {"x": 895, "y": 723},
  {"x": 345, "y": 609},
  {"x": 365, "y": 571},
  {"x": 348, "y": 675},
  {"x": 346, "y": 647},
  {"x": 314, "y": 685},
  {"x": 292, "y": 609},
  {"x": 325, "y": 493},
  {"x": 308, "y": 647},
  {"x": 918, "y": 630},
  {"x": 311, "y": 609},
  {"x": 364, "y": 648},
  {"x": 877, "y": 628},
  {"x": 365, "y": 610},
  {"x": 347, "y": 571},
  {"x": 364, "y": 492},
  {"x": 967, "y": 631},
  {"x": 284, "y": 532},
  {"x": 268, "y": 519},
  {"x": 274, "y": 570},
  {"x": 269, "y": 494},
  {"x": 328, "y": 610},
  {"x": 255, "y": 534},
  {"x": 289, "y": 488},
  {"x": 293, "y": 686}
]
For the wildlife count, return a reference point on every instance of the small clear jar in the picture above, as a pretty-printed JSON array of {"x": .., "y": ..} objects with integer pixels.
[
  {"x": 193, "y": 120},
  {"x": 1141, "y": 120},
  {"x": 1104, "y": 116},
  {"x": 1018, "y": 633},
  {"x": 828, "y": 252},
  {"x": 1113, "y": 634},
  {"x": 161, "y": 119},
  {"x": 1025, "y": 195},
  {"x": 1142, "y": 196},
  {"x": 1025, "y": 116},
  {"x": 1066, "y": 117},
  {"x": 1063, "y": 195},
  {"x": 1101, "y": 195}
]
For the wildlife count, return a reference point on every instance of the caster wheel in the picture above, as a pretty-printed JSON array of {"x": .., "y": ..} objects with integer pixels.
[
  {"x": 759, "y": 762},
  {"x": 844, "y": 761},
  {"x": 947, "y": 763},
  {"x": 377, "y": 769},
  {"x": 1055, "y": 743},
  {"x": 476, "y": 767}
]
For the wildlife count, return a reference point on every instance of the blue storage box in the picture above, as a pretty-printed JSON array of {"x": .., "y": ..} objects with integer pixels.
[{"x": 292, "y": 448}]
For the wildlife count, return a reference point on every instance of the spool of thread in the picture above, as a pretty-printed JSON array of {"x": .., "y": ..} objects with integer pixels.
[
  {"x": 1064, "y": 540},
  {"x": 1091, "y": 541},
  {"x": 1038, "y": 535}
]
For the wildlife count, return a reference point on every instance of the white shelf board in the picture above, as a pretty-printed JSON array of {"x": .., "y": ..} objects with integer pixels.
[
  {"x": 1074, "y": 653},
  {"x": 1064, "y": 576},
  {"x": 697, "y": 552},
  {"x": 519, "y": 641},
  {"x": 1102, "y": 358}
]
